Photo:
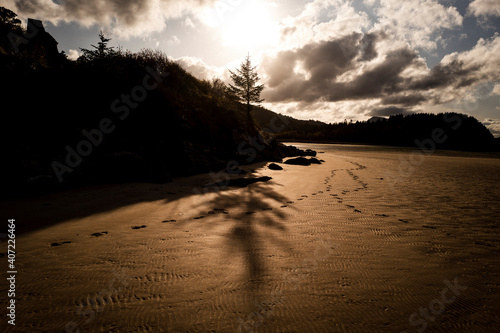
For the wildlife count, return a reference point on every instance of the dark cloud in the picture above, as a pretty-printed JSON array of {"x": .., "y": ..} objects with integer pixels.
[
  {"x": 27, "y": 6},
  {"x": 280, "y": 67},
  {"x": 128, "y": 17},
  {"x": 453, "y": 74},
  {"x": 309, "y": 73},
  {"x": 368, "y": 51},
  {"x": 389, "y": 111},
  {"x": 383, "y": 79},
  {"x": 405, "y": 100},
  {"x": 321, "y": 64}
]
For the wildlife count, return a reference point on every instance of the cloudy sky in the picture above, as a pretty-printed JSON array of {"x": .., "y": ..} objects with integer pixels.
[{"x": 328, "y": 60}]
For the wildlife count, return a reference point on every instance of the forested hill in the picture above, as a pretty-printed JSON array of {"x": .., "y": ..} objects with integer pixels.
[
  {"x": 112, "y": 116},
  {"x": 446, "y": 131}
]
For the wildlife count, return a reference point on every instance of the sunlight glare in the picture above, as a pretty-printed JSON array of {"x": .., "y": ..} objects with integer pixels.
[{"x": 248, "y": 24}]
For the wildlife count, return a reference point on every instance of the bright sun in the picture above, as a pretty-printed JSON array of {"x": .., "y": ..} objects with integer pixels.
[{"x": 245, "y": 24}]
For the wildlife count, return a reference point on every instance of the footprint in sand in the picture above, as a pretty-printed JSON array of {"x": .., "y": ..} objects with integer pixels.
[
  {"x": 429, "y": 227},
  {"x": 98, "y": 234},
  {"x": 249, "y": 213},
  {"x": 484, "y": 244},
  {"x": 350, "y": 206},
  {"x": 320, "y": 192},
  {"x": 304, "y": 196},
  {"x": 289, "y": 202},
  {"x": 404, "y": 221},
  {"x": 357, "y": 211},
  {"x": 218, "y": 211},
  {"x": 199, "y": 217},
  {"x": 168, "y": 221},
  {"x": 139, "y": 227},
  {"x": 284, "y": 206},
  {"x": 268, "y": 208},
  {"x": 382, "y": 215},
  {"x": 59, "y": 244},
  {"x": 300, "y": 199}
]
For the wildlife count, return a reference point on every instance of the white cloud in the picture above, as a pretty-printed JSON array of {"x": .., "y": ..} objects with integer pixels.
[
  {"x": 493, "y": 125},
  {"x": 484, "y": 8},
  {"x": 199, "y": 68},
  {"x": 326, "y": 111},
  {"x": 73, "y": 54},
  {"x": 484, "y": 59},
  {"x": 174, "y": 40},
  {"x": 496, "y": 89},
  {"x": 416, "y": 21},
  {"x": 308, "y": 27}
]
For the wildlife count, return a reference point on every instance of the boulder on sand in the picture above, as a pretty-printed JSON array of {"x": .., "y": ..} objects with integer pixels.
[
  {"x": 310, "y": 152},
  {"x": 298, "y": 161},
  {"x": 313, "y": 160},
  {"x": 274, "y": 166},
  {"x": 303, "y": 161}
]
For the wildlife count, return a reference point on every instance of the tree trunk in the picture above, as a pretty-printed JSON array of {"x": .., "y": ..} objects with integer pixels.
[{"x": 249, "y": 115}]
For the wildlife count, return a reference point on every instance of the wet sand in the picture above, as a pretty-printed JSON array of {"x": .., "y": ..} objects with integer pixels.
[{"x": 365, "y": 242}]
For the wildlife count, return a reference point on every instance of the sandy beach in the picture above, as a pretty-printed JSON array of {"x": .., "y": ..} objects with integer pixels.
[{"x": 372, "y": 240}]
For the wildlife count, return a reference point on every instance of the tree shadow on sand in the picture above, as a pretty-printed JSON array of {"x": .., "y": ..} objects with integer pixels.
[{"x": 256, "y": 214}]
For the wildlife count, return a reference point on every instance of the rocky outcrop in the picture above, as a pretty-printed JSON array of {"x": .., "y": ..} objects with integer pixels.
[
  {"x": 302, "y": 161},
  {"x": 274, "y": 166}
]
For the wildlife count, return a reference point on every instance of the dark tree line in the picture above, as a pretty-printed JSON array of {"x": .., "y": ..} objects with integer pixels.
[{"x": 462, "y": 132}]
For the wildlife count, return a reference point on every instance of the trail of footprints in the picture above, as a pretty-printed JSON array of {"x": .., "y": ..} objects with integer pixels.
[{"x": 361, "y": 186}]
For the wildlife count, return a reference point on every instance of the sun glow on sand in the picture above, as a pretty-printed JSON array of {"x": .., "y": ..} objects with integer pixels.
[{"x": 247, "y": 24}]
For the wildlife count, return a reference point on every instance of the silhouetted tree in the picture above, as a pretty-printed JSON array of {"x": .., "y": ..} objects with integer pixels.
[
  {"x": 102, "y": 50},
  {"x": 245, "y": 88},
  {"x": 10, "y": 30},
  {"x": 9, "y": 17},
  {"x": 218, "y": 89}
]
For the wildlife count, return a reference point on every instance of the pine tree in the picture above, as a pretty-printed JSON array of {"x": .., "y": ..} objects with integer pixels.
[
  {"x": 102, "y": 50},
  {"x": 245, "y": 88}
]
